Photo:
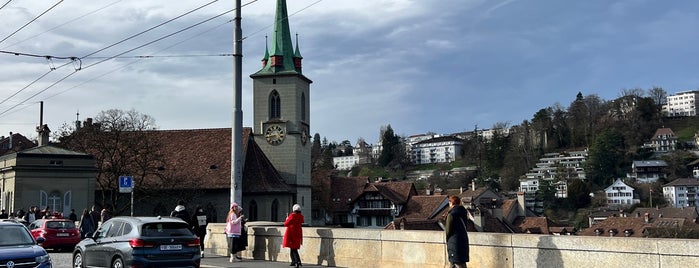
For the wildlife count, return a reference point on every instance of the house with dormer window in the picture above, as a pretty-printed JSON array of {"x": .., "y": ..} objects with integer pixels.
[
  {"x": 359, "y": 202},
  {"x": 664, "y": 140},
  {"x": 620, "y": 195}
]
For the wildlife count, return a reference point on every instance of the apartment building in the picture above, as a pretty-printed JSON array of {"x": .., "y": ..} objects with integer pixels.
[
  {"x": 681, "y": 104},
  {"x": 557, "y": 168},
  {"x": 682, "y": 192},
  {"x": 437, "y": 150}
]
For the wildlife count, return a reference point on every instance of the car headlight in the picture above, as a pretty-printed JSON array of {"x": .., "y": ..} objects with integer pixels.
[{"x": 43, "y": 259}]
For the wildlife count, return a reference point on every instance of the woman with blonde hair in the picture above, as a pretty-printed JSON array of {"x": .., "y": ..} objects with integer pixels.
[{"x": 233, "y": 226}]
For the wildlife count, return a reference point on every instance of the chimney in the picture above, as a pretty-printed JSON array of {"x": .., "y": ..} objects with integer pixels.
[
  {"x": 428, "y": 191},
  {"x": 646, "y": 217},
  {"x": 44, "y": 132},
  {"x": 10, "y": 145},
  {"x": 522, "y": 205},
  {"x": 473, "y": 186}
]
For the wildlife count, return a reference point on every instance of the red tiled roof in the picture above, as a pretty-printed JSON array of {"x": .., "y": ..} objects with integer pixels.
[
  {"x": 689, "y": 213},
  {"x": 532, "y": 225},
  {"x": 201, "y": 159},
  {"x": 19, "y": 143},
  {"x": 344, "y": 192},
  {"x": 397, "y": 192},
  {"x": 619, "y": 226},
  {"x": 424, "y": 206}
]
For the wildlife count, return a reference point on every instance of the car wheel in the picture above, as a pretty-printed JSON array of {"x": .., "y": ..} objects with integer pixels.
[
  {"x": 78, "y": 260},
  {"x": 118, "y": 263}
]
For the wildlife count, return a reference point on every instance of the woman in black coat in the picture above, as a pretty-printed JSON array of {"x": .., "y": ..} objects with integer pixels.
[{"x": 457, "y": 238}]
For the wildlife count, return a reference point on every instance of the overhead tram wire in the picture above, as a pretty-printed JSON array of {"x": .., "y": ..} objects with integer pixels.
[
  {"x": 150, "y": 29},
  {"x": 287, "y": 17},
  {"x": 151, "y": 42},
  {"x": 138, "y": 59},
  {"x": 8, "y": 1},
  {"x": 72, "y": 73},
  {"x": 76, "y": 58},
  {"x": 30, "y": 22},
  {"x": 209, "y": 55},
  {"x": 62, "y": 24},
  {"x": 166, "y": 36}
]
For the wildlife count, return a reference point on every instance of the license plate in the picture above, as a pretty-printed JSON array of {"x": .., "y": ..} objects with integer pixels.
[
  {"x": 170, "y": 247},
  {"x": 62, "y": 234}
]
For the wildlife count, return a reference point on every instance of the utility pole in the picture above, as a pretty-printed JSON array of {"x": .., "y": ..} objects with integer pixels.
[{"x": 237, "y": 130}]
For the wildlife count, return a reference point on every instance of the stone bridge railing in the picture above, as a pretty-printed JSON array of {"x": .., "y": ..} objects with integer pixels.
[{"x": 345, "y": 247}]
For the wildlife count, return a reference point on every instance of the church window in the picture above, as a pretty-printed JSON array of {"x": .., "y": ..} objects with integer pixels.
[
  {"x": 43, "y": 199},
  {"x": 274, "y": 105},
  {"x": 252, "y": 211},
  {"x": 275, "y": 210},
  {"x": 67, "y": 202},
  {"x": 303, "y": 107},
  {"x": 55, "y": 202}
]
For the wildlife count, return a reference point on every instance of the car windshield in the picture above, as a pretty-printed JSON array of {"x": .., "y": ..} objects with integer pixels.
[
  {"x": 14, "y": 235},
  {"x": 165, "y": 229},
  {"x": 60, "y": 225}
]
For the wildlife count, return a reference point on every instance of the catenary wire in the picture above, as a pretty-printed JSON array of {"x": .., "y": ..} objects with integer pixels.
[
  {"x": 30, "y": 22},
  {"x": 62, "y": 24},
  {"x": 142, "y": 57},
  {"x": 8, "y": 1},
  {"x": 149, "y": 29},
  {"x": 73, "y": 59}
]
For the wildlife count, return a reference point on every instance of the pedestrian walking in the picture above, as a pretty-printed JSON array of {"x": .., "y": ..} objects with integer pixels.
[
  {"x": 105, "y": 215},
  {"x": 293, "y": 236},
  {"x": 234, "y": 224},
  {"x": 180, "y": 211},
  {"x": 198, "y": 223},
  {"x": 72, "y": 216},
  {"x": 456, "y": 235},
  {"x": 95, "y": 215},
  {"x": 86, "y": 224}
]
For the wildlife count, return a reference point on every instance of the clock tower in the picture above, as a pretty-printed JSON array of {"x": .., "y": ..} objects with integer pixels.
[{"x": 281, "y": 111}]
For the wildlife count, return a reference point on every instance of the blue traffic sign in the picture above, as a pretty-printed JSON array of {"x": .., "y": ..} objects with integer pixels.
[{"x": 125, "y": 182}]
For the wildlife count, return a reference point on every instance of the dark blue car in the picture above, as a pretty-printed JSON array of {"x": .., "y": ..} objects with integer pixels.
[
  {"x": 18, "y": 248},
  {"x": 139, "y": 242}
]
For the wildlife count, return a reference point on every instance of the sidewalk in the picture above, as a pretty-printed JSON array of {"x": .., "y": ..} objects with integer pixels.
[{"x": 222, "y": 261}]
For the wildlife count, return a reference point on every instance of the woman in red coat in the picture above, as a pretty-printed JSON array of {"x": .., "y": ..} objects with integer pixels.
[{"x": 293, "y": 236}]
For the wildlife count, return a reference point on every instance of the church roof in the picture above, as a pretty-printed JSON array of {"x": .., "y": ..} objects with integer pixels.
[{"x": 204, "y": 155}]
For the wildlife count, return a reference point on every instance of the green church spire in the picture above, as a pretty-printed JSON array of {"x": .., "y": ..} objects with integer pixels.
[{"x": 281, "y": 54}]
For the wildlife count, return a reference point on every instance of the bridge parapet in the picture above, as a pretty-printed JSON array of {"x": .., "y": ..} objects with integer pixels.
[{"x": 347, "y": 247}]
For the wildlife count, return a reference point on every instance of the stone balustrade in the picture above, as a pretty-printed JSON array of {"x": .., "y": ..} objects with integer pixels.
[{"x": 346, "y": 247}]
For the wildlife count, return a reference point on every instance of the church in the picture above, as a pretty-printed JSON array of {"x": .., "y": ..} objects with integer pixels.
[{"x": 195, "y": 165}]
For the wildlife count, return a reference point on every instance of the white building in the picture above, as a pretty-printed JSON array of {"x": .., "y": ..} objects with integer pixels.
[
  {"x": 348, "y": 162},
  {"x": 555, "y": 167},
  {"x": 437, "y": 150},
  {"x": 681, "y": 104},
  {"x": 619, "y": 194},
  {"x": 682, "y": 192}
]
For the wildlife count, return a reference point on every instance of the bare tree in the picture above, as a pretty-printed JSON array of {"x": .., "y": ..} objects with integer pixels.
[{"x": 119, "y": 142}]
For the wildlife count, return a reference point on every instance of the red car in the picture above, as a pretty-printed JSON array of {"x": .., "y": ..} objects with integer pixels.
[{"x": 57, "y": 233}]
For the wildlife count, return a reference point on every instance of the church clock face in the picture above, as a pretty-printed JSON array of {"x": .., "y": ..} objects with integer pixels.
[{"x": 275, "y": 134}]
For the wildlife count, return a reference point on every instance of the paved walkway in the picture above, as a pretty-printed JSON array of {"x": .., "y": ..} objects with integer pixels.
[{"x": 222, "y": 261}]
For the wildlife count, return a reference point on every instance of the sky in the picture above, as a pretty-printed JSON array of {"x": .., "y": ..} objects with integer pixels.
[{"x": 421, "y": 66}]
